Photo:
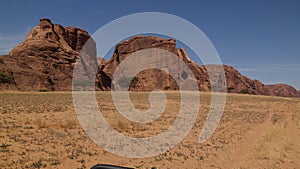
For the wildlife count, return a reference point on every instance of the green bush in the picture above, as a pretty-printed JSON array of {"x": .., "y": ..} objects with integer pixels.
[
  {"x": 245, "y": 91},
  {"x": 5, "y": 78},
  {"x": 43, "y": 90}
]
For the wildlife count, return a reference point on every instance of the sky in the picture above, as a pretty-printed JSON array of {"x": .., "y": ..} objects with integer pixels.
[{"x": 259, "y": 38}]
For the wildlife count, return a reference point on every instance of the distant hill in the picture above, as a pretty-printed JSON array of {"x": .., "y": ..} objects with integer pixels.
[{"x": 45, "y": 62}]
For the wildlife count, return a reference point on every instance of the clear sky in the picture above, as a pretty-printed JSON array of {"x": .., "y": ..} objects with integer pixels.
[{"x": 261, "y": 38}]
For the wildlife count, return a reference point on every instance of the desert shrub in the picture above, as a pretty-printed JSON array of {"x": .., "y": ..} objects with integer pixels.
[
  {"x": 4, "y": 147},
  {"x": 43, "y": 90},
  {"x": 229, "y": 89},
  {"x": 55, "y": 162},
  {"x": 134, "y": 80},
  {"x": 38, "y": 164},
  {"x": 277, "y": 119},
  {"x": 68, "y": 124},
  {"x": 245, "y": 91},
  {"x": 167, "y": 88},
  {"x": 5, "y": 78},
  {"x": 121, "y": 125},
  {"x": 41, "y": 123}
]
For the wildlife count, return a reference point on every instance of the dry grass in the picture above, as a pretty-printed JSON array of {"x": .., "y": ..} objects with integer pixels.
[
  {"x": 41, "y": 130},
  {"x": 273, "y": 147},
  {"x": 41, "y": 123},
  {"x": 68, "y": 123}
]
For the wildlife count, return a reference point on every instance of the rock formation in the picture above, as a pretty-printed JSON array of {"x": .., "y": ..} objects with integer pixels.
[
  {"x": 150, "y": 79},
  {"x": 237, "y": 83},
  {"x": 46, "y": 60},
  {"x": 281, "y": 90},
  {"x": 147, "y": 80}
]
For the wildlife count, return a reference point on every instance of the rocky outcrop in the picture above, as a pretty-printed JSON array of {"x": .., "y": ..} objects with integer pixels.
[
  {"x": 237, "y": 83},
  {"x": 146, "y": 80},
  {"x": 6, "y": 75},
  {"x": 281, "y": 90},
  {"x": 46, "y": 59},
  {"x": 150, "y": 79}
]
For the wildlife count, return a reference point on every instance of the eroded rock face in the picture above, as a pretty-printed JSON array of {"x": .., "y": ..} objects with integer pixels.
[
  {"x": 6, "y": 75},
  {"x": 237, "y": 83},
  {"x": 151, "y": 79},
  {"x": 281, "y": 90},
  {"x": 148, "y": 80},
  {"x": 46, "y": 59}
]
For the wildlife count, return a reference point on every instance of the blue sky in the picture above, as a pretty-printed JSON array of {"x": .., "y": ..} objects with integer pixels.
[{"x": 259, "y": 38}]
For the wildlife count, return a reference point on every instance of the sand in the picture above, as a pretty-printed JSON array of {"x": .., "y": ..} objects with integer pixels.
[{"x": 41, "y": 130}]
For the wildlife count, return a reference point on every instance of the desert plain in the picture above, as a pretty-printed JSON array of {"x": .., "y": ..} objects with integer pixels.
[{"x": 41, "y": 130}]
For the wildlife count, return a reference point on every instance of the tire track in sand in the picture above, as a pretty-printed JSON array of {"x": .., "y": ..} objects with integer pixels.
[{"x": 255, "y": 133}]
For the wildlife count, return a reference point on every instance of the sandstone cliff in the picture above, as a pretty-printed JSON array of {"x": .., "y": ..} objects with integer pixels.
[
  {"x": 150, "y": 79},
  {"x": 281, "y": 90},
  {"x": 46, "y": 60}
]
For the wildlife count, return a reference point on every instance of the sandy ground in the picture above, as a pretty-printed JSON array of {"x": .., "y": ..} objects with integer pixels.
[{"x": 41, "y": 130}]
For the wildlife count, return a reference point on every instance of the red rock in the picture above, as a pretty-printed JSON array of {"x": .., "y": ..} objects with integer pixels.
[
  {"x": 46, "y": 59},
  {"x": 281, "y": 90}
]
